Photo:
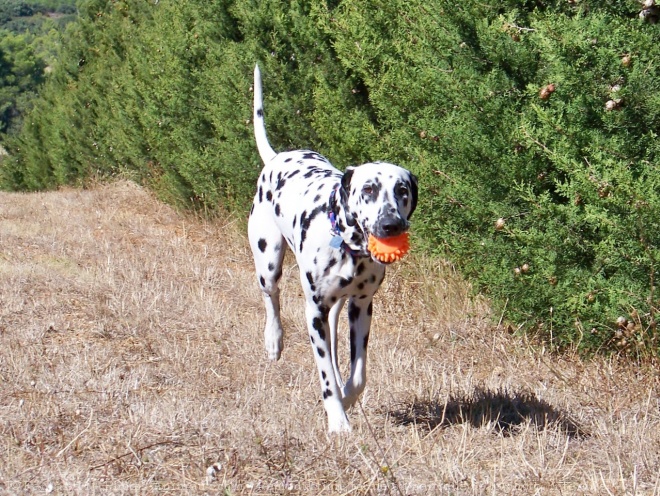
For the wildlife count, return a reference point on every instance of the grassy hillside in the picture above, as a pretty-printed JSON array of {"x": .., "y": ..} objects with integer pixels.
[{"x": 132, "y": 362}]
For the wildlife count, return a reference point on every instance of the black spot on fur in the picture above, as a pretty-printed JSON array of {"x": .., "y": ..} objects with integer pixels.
[
  {"x": 269, "y": 195},
  {"x": 331, "y": 263},
  {"x": 327, "y": 393},
  {"x": 271, "y": 266},
  {"x": 352, "y": 346},
  {"x": 260, "y": 113},
  {"x": 319, "y": 209},
  {"x": 320, "y": 352},
  {"x": 262, "y": 281},
  {"x": 313, "y": 156},
  {"x": 360, "y": 269},
  {"x": 345, "y": 282},
  {"x": 305, "y": 221},
  {"x": 261, "y": 194},
  {"x": 323, "y": 374},
  {"x": 317, "y": 198},
  {"x": 262, "y": 245},
  {"x": 277, "y": 209},
  {"x": 353, "y": 313},
  {"x": 295, "y": 219},
  {"x": 288, "y": 160},
  {"x": 317, "y": 324}
]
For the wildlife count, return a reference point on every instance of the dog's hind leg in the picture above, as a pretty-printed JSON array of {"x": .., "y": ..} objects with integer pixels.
[{"x": 268, "y": 247}]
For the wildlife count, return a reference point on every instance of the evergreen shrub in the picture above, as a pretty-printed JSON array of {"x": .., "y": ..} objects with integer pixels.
[{"x": 532, "y": 126}]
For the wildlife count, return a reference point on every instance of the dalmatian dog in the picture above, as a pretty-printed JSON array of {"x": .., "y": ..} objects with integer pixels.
[{"x": 324, "y": 217}]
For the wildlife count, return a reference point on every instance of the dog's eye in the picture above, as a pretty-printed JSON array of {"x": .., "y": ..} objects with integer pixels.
[
  {"x": 367, "y": 190},
  {"x": 402, "y": 191}
]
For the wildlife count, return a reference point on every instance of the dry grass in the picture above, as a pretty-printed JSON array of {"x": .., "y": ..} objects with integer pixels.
[{"x": 131, "y": 361}]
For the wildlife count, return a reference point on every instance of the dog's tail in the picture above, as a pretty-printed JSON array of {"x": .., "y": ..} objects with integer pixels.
[{"x": 265, "y": 150}]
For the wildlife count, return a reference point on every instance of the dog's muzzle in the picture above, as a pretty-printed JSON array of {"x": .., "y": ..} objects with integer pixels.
[{"x": 390, "y": 225}]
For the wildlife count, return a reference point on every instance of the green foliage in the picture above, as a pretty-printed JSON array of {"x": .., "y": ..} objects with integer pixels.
[
  {"x": 161, "y": 92},
  {"x": 456, "y": 91},
  {"x": 21, "y": 71},
  {"x": 541, "y": 114}
]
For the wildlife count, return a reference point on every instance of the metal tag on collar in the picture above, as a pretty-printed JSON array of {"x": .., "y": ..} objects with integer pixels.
[{"x": 336, "y": 242}]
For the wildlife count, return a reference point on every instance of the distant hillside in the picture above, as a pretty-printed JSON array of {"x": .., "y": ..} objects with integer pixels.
[
  {"x": 29, "y": 43},
  {"x": 32, "y": 16}
]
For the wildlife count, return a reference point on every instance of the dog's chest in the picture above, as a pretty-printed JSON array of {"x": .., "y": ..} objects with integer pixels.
[{"x": 335, "y": 274}]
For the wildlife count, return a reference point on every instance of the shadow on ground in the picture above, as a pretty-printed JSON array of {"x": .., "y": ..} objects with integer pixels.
[{"x": 506, "y": 411}]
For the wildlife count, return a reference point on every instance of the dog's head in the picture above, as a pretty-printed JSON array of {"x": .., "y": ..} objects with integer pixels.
[{"x": 379, "y": 198}]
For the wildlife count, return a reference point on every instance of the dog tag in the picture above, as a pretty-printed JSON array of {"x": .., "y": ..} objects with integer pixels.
[{"x": 336, "y": 242}]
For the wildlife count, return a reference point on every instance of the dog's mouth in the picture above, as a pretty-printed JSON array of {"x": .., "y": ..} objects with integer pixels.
[{"x": 386, "y": 249}]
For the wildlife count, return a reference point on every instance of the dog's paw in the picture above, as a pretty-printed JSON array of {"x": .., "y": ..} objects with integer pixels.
[
  {"x": 274, "y": 350},
  {"x": 337, "y": 419},
  {"x": 274, "y": 356},
  {"x": 339, "y": 426},
  {"x": 274, "y": 341}
]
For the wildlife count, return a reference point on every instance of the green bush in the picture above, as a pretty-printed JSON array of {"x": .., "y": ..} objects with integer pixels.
[
  {"x": 456, "y": 91},
  {"x": 531, "y": 125}
]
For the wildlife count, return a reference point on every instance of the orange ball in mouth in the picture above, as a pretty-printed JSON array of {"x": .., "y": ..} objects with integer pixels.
[{"x": 390, "y": 249}]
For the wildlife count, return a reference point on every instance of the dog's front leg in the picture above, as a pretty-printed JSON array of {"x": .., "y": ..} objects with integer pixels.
[
  {"x": 319, "y": 335},
  {"x": 359, "y": 319},
  {"x": 333, "y": 320}
]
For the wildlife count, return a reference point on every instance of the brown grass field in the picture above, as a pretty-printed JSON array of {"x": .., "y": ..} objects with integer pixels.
[{"x": 131, "y": 362}]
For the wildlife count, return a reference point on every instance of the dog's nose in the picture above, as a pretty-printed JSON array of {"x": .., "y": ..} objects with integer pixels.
[{"x": 392, "y": 226}]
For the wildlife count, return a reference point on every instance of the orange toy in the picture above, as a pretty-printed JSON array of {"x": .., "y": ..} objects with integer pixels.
[{"x": 389, "y": 249}]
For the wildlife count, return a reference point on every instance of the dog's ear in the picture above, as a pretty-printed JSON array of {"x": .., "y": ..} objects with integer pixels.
[
  {"x": 413, "y": 194},
  {"x": 346, "y": 180},
  {"x": 344, "y": 192}
]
